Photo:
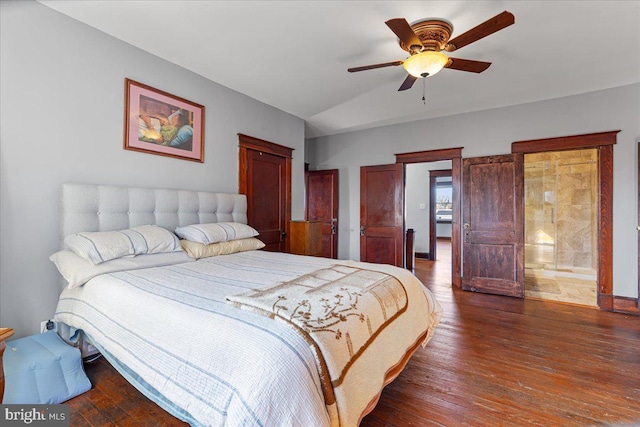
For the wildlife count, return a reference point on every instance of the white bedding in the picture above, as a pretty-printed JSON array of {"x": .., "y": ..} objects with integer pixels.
[{"x": 210, "y": 363}]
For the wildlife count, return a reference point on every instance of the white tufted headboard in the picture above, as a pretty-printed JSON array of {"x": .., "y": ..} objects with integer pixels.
[{"x": 87, "y": 207}]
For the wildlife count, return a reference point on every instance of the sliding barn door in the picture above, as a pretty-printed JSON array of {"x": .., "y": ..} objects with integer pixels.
[
  {"x": 493, "y": 250},
  {"x": 322, "y": 205},
  {"x": 381, "y": 226}
]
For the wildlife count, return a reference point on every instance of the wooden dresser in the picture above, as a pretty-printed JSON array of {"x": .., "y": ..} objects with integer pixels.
[{"x": 305, "y": 238}]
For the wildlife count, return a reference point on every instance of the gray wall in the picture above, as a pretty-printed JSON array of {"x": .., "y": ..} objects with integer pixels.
[
  {"x": 62, "y": 108},
  {"x": 492, "y": 132},
  {"x": 416, "y": 193}
]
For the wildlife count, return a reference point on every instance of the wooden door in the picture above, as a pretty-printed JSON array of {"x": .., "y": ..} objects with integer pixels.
[
  {"x": 322, "y": 205},
  {"x": 381, "y": 206},
  {"x": 265, "y": 178},
  {"x": 493, "y": 233}
]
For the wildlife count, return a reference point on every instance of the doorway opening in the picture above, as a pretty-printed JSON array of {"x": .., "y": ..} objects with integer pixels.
[
  {"x": 440, "y": 212},
  {"x": 428, "y": 200},
  {"x": 453, "y": 159},
  {"x": 561, "y": 226},
  {"x": 603, "y": 144}
]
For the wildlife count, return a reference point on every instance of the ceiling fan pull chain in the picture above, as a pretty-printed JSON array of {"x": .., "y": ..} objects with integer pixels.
[{"x": 424, "y": 85}]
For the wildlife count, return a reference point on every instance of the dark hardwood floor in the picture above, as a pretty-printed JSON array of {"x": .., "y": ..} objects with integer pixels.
[{"x": 494, "y": 361}]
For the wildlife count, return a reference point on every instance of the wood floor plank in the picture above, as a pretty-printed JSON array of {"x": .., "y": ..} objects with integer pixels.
[{"x": 494, "y": 361}]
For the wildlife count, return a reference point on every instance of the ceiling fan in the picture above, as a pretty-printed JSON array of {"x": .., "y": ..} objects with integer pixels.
[{"x": 425, "y": 40}]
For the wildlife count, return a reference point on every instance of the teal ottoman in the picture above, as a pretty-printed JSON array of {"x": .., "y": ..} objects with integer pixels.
[{"x": 42, "y": 369}]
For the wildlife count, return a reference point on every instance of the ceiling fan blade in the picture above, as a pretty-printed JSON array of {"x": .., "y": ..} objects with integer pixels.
[
  {"x": 467, "y": 65},
  {"x": 408, "y": 82},
  {"x": 497, "y": 23},
  {"x": 374, "y": 66},
  {"x": 403, "y": 30}
]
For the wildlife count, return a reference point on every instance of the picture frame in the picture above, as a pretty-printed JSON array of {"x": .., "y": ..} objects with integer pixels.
[{"x": 157, "y": 122}]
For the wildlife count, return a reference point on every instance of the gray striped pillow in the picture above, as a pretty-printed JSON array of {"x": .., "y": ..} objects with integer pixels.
[
  {"x": 100, "y": 246},
  {"x": 216, "y": 232}
]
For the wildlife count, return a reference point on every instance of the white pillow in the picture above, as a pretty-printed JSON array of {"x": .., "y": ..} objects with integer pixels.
[
  {"x": 216, "y": 232},
  {"x": 100, "y": 246},
  {"x": 77, "y": 271},
  {"x": 199, "y": 250}
]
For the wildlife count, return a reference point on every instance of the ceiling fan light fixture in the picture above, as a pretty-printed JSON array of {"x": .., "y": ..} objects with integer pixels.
[{"x": 425, "y": 63}]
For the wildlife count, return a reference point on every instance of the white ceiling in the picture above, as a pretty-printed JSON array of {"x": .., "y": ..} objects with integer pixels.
[{"x": 294, "y": 55}]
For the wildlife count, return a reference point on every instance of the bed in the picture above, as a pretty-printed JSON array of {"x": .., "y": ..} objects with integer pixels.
[{"x": 227, "y": 339}]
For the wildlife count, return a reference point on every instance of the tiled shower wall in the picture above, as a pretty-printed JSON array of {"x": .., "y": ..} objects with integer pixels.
[{"x": 561, "y": 200}]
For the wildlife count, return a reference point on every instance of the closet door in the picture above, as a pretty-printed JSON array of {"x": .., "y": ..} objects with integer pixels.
[
  {"x": 381, "y": 206},
  {"x": 265, "y": 178},
  {"x": 493, "y": 231},
  {"x": 322, "y": 205}
]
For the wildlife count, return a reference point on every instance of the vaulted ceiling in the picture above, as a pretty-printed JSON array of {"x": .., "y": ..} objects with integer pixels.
[{"x": 294, "y": 55}]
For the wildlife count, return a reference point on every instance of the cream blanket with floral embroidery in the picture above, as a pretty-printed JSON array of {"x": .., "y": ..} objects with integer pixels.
[{"x": 339, "y": 311}]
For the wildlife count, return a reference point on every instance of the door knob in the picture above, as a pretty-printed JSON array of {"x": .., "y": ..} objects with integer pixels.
[{"x": 467, "y": 228}]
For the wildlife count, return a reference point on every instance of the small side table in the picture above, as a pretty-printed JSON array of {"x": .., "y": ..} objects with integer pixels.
[
  {"x": 306, "y": 238},
  {"x": 5, "y": 333}
]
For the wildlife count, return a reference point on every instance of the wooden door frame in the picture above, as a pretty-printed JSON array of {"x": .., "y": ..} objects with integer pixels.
[
  {"x": 433, "y": 237},
  {"x": 603, "y": 142},
  {"x": 637, "y": 309},
  {"x": 246, "y": 142},
  {"x": 455, "y": 155}
]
